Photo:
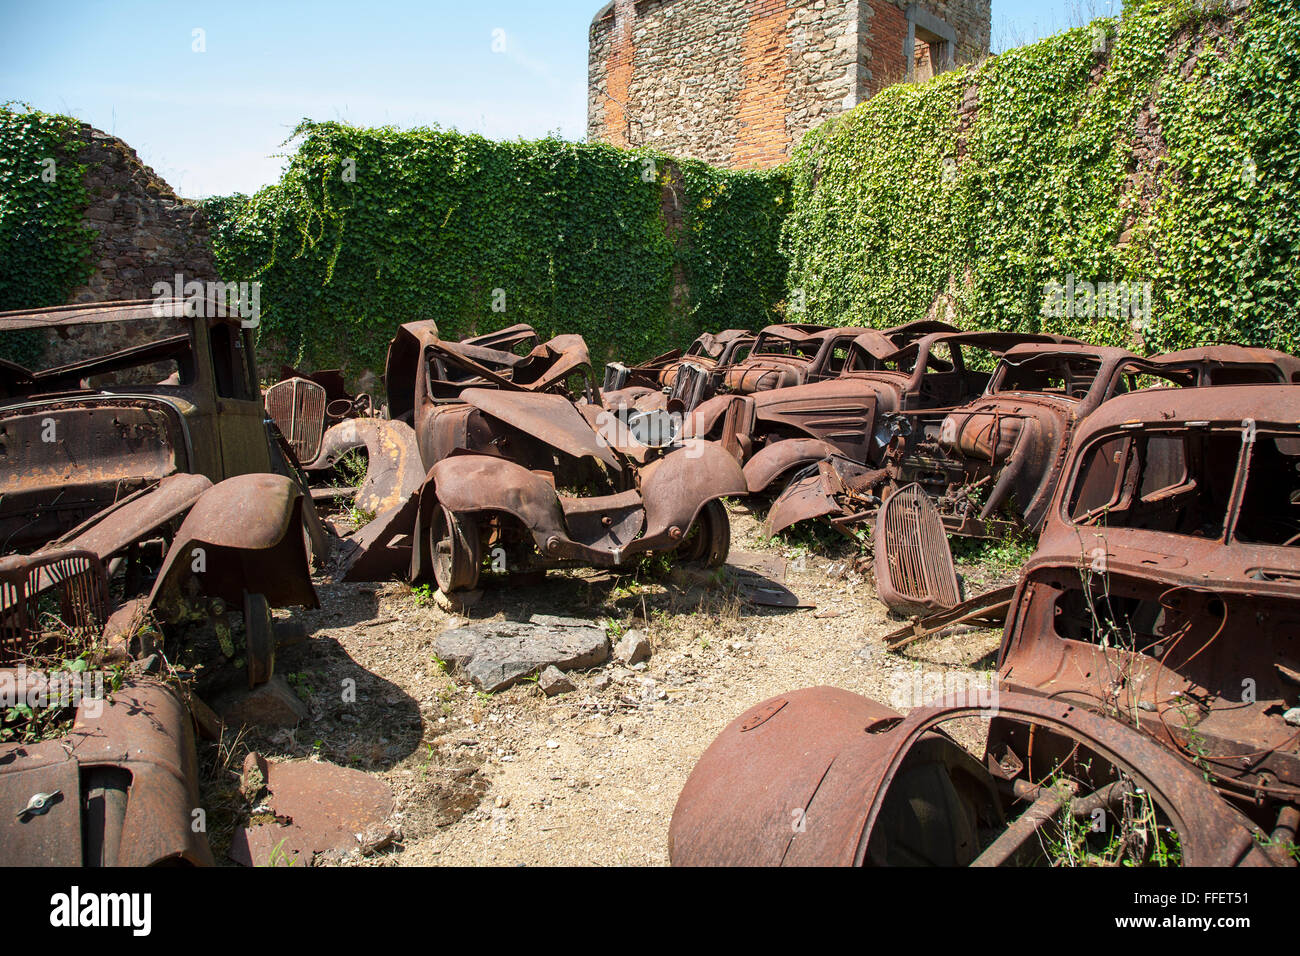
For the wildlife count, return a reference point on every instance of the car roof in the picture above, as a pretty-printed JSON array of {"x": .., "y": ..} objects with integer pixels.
[
  {"x": 1211, "y": 403},
  {"x": 91, "y": 313}
]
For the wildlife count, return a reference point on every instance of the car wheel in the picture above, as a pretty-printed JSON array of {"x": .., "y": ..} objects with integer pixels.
[
  {"x": 455, "y": 547},
  {"x": 709, "y": 540}
]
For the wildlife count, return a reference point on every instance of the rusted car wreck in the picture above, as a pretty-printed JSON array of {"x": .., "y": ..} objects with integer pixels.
[
  {"x": 1164, "y": 590},
  {"x": 140, "y": 489},
  {"x": 991, "y": 460},
  {"x": 535, "y": 478},
  {"x": 645, "y": 385},
  {"x": 1146, "y": 674}
]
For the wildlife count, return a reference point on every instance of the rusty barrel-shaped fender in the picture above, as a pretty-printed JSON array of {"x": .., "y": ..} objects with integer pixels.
[
  {"x": 243, "y": 534},
  {"x": 748, "y": 797}
]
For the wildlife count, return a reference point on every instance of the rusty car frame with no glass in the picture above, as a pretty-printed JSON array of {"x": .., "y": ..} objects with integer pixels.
[
  {"x": 1165, "y": 590},
  {"x": 993, "y": 463}
]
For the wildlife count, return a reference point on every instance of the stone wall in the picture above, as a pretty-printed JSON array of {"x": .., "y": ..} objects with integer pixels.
[
  {"x": 738, "y": 82},
  {"x": 143, "y": 231}
]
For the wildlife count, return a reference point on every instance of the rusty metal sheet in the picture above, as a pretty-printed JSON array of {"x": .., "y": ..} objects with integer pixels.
[
  {"x": 381, "y": 550},
  {"x": 914, "y": 570},
  {"x": 311, "y": 808},
  {"x": 131, "y": 310},
  {"x": 546, "y": 368},
  {"x": 552, "y": 418},
  {"x": 402, "y": 365},
  {"x": 987, "y": 609},
  {"x": 505, "y": 339},
  {"x": 248, "y": 532},
  {"x": 52, "y": 838},
  {"x": 1233, "y": 364},
  {"x": 136, "y": 517},
  {"x": 297, "y": 406},
  {"x": 780, "y": 458},
  {"x": 104, "y": 449},
  {"x": 743, "y": 800},
  {"x": 677, "y": 486},
  {"x": 393, "y": 470},
  {"x": 814, "y": 493}
]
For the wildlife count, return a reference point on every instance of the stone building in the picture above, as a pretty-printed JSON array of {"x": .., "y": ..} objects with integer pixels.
[{"x": 737, "y": 82}]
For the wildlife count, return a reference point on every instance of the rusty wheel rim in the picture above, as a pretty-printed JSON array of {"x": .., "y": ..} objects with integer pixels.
[{"x": 453, "y": 542}]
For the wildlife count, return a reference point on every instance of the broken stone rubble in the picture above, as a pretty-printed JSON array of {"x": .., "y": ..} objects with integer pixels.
[{"x": 496, "y": 655}]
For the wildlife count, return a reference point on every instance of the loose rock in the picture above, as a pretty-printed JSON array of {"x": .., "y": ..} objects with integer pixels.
[
  {"x": 554, "y": 681},
  {"x": 633, "y": 648}
]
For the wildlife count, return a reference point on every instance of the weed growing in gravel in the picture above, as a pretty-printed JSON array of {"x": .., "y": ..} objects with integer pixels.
[
  {"x": 298, "y": 681},
  {"x": 1007, "y": 554}
]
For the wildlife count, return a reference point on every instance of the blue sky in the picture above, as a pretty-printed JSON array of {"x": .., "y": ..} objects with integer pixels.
[{"x": 212, "y": 123}]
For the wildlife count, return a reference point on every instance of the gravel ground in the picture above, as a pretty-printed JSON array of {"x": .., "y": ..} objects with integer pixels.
[{"x": 588, "y": 777}]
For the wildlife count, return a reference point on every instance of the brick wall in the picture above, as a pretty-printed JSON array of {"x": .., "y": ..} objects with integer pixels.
[
  {"x": 738, "y": 82},
  {"x": 883, "y": 43},
  {"x": 765, "y": 85}
]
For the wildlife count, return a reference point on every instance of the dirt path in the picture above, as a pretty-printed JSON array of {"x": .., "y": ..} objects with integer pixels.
[{"x": 589, "y": 777}]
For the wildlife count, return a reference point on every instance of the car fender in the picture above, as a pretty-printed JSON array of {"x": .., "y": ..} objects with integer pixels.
[
  {"x": 780, "y": 458},
  {"x": 244, "y": 534},
  {"x": 678, "y": 485},
  {"x": 476, "y": 483}
]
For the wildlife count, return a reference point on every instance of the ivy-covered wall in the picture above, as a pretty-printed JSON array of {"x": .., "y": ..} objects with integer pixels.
[
  {"x": 44, "y": 248},
  {"x": 370, "y": 228},
  {"x": 1159, "y": 151},
  {"x": 1136, "y": 181}
]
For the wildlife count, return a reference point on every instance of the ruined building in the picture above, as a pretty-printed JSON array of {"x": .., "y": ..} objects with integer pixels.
[{"x": 737, "y": 82}]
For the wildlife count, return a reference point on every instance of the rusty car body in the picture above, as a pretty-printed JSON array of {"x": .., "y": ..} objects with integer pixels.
[
  {"x": 646, "y": 385},
  {"x": 111, "y": 462},
  {"x": 445, "y": 368},
  {"x": 1165, "y": 590},
  {"x": 119, "y": 788},
  {"x": 825, "y": 777},
  {"x": 993, "y": 462},
  {"x": 533, "y": 479},
  {"x": 537, "y": 479},
  {"x": 914, "y": 368},
  {"x": 789, "y": 354}
]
